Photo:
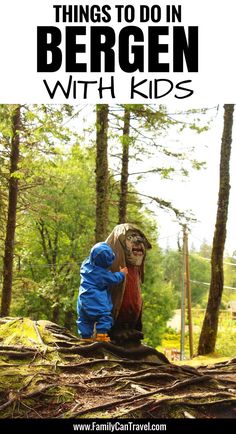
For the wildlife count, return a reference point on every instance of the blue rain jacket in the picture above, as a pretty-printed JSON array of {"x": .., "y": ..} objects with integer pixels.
[{"x": 94, "y": 296}]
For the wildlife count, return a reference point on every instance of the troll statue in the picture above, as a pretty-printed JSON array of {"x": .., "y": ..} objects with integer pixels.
[{"x": 130, "y": 245}]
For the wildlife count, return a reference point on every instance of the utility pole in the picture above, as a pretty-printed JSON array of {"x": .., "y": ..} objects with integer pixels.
[
  {"x": 188, "y": 288},
  {"x": 183, "y": 296}
]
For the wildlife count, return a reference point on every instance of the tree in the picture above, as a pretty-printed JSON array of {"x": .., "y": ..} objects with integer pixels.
[
  {"x": 125, "y": 166},
  {"x": 55, "y": 236},
  {"x": 11, "y": 213},
  {"x": 101, "y": 173},
  {"x": 143, "y": 126},
  {"x": 26, "y": 131},
  {"x": 205, "y": 250},
  {"x": 208, "y": 334}
]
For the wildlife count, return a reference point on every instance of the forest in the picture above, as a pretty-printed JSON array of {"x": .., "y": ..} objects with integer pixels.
[
  {"x": 59, "y": 195},
  {"x": 68, "y": 177}
]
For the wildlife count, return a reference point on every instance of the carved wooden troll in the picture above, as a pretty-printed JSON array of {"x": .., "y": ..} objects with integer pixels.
[{"x": 130, "y": 245}]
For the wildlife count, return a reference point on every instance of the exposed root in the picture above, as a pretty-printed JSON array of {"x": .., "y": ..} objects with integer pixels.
[{"x": 48, "y": 373}]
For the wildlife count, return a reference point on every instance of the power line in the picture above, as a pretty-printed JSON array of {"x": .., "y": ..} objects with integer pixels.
[
  {"x": 224, "y": 262},
  {"x": 168, "y": 236},
  {"x": 208, "y": 284}
]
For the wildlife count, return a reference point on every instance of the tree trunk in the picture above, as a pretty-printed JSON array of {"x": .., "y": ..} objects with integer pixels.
[
  {"x": 56, "y": 313},
  {"x": 208, "y": 335},
  {"x": 125, "y": 167},
  {"x": 11, "y": 215},
  {"x": 101, "y": 174},
  {"x": 68, "y": 322}
]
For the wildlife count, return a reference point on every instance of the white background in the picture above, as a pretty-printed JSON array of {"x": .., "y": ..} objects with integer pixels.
[{"x": 20, "y": 82}]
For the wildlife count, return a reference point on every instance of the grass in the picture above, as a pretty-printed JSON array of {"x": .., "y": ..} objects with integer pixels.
[
  {"x": 225, "y": 344},
  {"x": 209, "y": 359}
]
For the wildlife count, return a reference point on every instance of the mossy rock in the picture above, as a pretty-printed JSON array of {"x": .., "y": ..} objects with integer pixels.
[{"x": 47, "y": 372}]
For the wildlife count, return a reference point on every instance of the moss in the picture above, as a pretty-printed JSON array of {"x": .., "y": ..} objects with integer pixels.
[
  {"x": 19, "y": 331},
  {"x": 46, "y": 383},
  {"x": 96, "y": 415}
]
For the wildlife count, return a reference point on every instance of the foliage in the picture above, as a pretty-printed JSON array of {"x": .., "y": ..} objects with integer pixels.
[
  {"x": 226, "y": 342},
  {"x": 199, "y": 272},
  {"x": 149, "y": 125},
  {"x": 229, "y": 281},
  {"x": 56, "y": 210},
  {"x": 55, "y": 235},
  {"x": 159, "y": 302}
]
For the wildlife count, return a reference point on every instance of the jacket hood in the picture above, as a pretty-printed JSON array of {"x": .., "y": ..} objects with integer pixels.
[{"x": 102, "y": 255}]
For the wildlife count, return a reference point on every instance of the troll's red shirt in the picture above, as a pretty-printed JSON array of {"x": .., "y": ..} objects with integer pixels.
[{"x": 132, "y": 301}]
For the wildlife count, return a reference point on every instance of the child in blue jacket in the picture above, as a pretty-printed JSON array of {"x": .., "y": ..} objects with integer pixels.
[{"x": 94, "y": 306}]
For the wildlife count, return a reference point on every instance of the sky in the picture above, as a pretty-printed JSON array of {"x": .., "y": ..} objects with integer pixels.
[{"x": 199, "y": 191}]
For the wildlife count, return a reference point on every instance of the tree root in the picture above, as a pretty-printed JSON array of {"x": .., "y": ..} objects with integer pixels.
[
  {"x": 58, "y": 371},
  {"x": 95, "y": 347},
  {"x": 41, "y": 342},
  {"x": 17, "y": 354},
  {"x": 134, "y": 374},
  {"x": 19, "y": 348},
  {"x": 131, "y": 363}
]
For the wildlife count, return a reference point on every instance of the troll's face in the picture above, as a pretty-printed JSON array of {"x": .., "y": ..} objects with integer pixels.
[{"x": 135, "y": 247}]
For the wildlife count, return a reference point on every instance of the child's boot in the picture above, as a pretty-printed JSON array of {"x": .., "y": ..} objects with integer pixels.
[{"x": 102, "y": 337}]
